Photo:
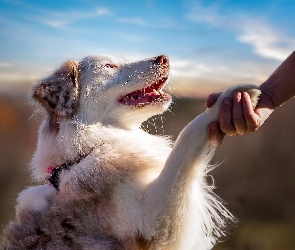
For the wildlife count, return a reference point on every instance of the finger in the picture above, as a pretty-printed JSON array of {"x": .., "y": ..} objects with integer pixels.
[
  {"x": 215, "y": 135},
  {"x": 212, "y": 98},
  {"x": 238, "y": 117},
  {"x": 249, "y": 114},
  {"x": 225, "y": 117}
]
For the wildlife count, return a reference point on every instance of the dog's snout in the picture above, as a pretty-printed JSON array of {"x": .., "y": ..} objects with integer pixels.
[{"x": 162, "y": 60}]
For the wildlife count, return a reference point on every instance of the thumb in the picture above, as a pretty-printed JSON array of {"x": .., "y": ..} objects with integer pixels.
[{"x": 212, "y": 98}]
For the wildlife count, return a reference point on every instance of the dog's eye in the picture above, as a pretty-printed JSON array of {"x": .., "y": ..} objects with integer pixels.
[{"x": 110, "y": 66}]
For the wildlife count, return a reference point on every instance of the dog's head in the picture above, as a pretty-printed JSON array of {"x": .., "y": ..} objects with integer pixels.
[{"x": 106, "y": 90}]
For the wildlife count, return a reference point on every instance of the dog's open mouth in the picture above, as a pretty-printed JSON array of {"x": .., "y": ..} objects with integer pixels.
[{"x": 151, "y": 94}]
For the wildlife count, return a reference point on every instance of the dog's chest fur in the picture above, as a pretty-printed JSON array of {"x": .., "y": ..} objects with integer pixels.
[{"x": 103, "y": 193}]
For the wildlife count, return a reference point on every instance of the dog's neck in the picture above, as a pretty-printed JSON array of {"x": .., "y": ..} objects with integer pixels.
[
  {"x": 73, "y": 139},
  {"x": 55, "y": 171}
]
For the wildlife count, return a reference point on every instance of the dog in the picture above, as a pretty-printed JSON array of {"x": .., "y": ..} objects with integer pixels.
[{"x": 112, "y": 185}]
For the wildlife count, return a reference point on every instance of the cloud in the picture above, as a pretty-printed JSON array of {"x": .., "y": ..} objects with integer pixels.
[
  {"x": 58, "y": 19},
  {"x": 207, "y": 14},
  {"x": 261, "y": 34},
  {"x": 162, "y": 24},
  {"x": 266, "y": 41},
  {"x": 103, "y": 12},
  {"x": 201, "y": 78},
  {"x": 180, "y": 67},
  {"x": 136, "y": 20},
  {"x": 61, "y": 19},
  {"x": 5, "y": 65}
]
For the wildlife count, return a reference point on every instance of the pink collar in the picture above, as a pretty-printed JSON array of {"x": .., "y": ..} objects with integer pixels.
[{"x": 55, "y": 172}]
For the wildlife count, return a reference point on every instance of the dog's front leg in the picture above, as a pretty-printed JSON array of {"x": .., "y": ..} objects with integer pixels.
[{"x": 168, "y": 198}]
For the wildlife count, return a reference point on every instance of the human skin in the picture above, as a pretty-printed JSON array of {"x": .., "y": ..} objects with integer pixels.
[{"x": 237, "y": 117}]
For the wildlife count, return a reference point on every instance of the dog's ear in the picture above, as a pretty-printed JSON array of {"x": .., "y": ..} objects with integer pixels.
[{"x": 59, "y": 93}]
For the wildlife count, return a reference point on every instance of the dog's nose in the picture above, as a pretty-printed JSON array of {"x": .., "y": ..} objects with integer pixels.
[{"x": 162, "y": 60}]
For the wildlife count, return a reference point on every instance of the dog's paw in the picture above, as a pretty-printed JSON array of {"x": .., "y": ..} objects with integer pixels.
[
  {"x": 252, "y": 90},
  {"x": 35, "y": 198},
  {"x": 254, "y": 93}
]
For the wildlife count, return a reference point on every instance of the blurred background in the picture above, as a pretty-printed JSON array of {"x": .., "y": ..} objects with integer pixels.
[{"x": 211, "y": 45}]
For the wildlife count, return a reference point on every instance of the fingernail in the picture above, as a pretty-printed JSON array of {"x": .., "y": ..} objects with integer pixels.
[{"x": 237, "y": 94}]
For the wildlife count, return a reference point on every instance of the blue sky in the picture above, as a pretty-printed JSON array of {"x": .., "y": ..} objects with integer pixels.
[{"x": 211, "y": 44}]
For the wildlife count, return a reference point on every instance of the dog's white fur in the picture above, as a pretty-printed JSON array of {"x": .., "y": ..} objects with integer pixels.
[{"x": 132, "y": 190}]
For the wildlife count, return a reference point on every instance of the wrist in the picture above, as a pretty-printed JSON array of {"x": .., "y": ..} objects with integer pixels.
[{"x": 268, "y": 100}]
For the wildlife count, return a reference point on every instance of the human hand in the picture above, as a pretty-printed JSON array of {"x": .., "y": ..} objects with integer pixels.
[{"x": 237, "y": 116}]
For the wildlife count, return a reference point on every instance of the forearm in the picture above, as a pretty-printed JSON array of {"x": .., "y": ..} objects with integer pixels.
[{"x": 280, "y": 86}]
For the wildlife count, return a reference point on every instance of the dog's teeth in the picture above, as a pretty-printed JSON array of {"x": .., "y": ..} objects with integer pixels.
[
  {"x": 132, "y": 99},
  {"x": 155, "y": 92},
  {"x": 161, "y": 92},
  {"x": 126, "y": 98},
  {"x": 139, "y": 98}
]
